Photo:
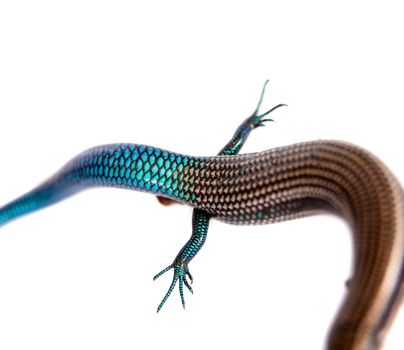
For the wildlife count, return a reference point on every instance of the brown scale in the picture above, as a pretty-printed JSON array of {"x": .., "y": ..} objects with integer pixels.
[{"x": 303, "y": 179}]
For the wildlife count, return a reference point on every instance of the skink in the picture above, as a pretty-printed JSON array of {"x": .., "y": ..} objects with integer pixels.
[{"x": 258, "y": 188}]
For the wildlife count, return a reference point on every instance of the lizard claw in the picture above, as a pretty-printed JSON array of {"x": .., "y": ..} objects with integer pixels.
[
  {"x": 189, "y": 274},
  {"x": 181, "y": 272},
  {"x": 256, "y": 119}
]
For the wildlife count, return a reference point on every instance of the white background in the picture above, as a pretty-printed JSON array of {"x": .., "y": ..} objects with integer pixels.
[{"x": 182, "y": 76}]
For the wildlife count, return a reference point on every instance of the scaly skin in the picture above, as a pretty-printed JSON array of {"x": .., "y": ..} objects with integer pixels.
[
  {"x": 200, "y": 220},
  {"x": 266, "y": 187}
]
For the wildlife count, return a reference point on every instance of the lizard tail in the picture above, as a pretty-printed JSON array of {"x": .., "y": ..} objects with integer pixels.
[{"x": 42, "y": 196}]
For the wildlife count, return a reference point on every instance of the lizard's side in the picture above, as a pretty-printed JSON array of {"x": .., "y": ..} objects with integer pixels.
[{"x": 265, "y": 187}]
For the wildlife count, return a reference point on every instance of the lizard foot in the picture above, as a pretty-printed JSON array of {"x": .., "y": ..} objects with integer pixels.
[
  {"x": 181, "y": 272},
  {"x": 256, "y": 119}
]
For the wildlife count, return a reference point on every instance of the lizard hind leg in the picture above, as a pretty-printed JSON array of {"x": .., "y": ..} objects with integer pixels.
[
  {"x": 181, "y": 272},
  {"x": 200, "y": 220},
  {"x": 200, "y": 224},
  {"x": 166, "y": 201},
  {"x": 257, "y": 119}
]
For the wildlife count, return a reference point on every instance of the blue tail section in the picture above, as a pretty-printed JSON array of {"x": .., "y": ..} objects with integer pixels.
[{"x": 46, "y": 194}]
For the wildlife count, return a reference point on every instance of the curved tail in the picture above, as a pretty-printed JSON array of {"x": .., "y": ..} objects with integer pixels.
[
  {"x": 136, "y": 167},
  {"x": 51, "y": 191}
]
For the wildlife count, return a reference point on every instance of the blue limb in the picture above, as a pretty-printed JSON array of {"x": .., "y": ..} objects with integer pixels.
[
  {"x": 200, "y": 220},
  {"x": 200, "y": 224},
  {"x": 252, "y": 122},
  {"x": 256, "y": 119}
]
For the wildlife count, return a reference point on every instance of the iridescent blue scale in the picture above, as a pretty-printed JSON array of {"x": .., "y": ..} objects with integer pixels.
[{"x": 143, "y": 168}]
